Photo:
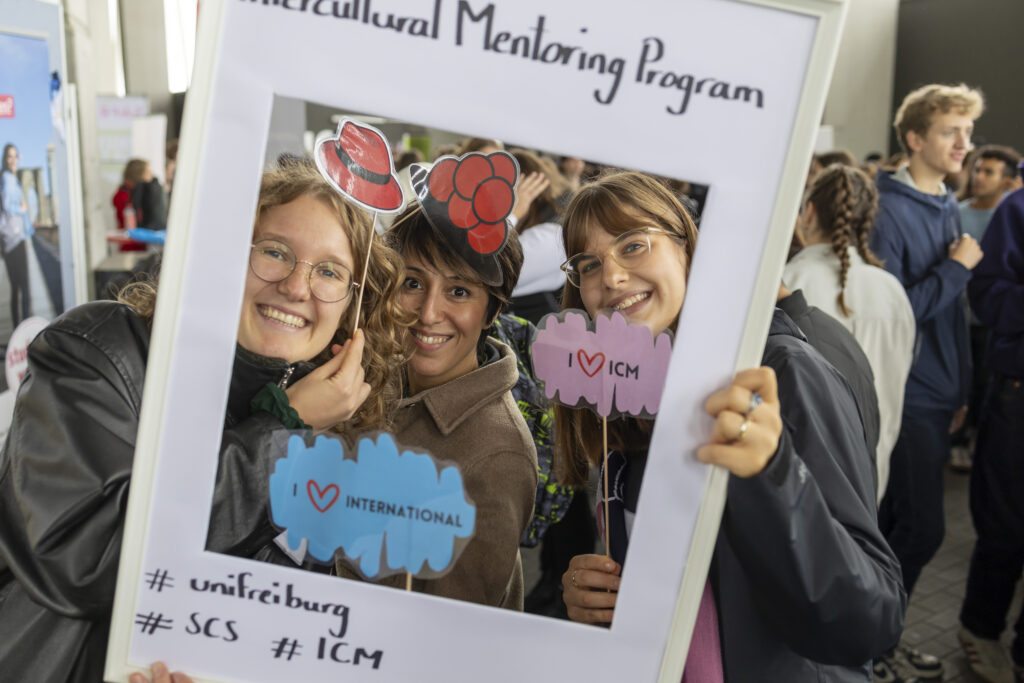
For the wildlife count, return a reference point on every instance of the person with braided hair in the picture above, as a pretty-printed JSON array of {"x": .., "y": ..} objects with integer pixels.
[{"x": 839, "y": 274}]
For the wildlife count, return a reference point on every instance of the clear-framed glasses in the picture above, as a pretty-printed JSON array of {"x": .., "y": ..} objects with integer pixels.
[
  {"x": 273, "y": 261},
  {"x": 629, "y": 250}
]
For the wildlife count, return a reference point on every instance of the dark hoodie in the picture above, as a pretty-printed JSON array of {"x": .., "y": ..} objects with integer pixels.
[
  {"x": 912, "y": 236},
  {"x": 997, "y": 291}
]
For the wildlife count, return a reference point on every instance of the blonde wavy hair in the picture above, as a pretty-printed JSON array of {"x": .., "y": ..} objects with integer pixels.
[
  {"x": 920, "y": 107},
  {"x": 383, "y": 321}
]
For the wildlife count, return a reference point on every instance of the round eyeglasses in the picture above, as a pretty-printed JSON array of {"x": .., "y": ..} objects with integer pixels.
[
  {"x": 274, "y": 261},
  {"x": 629, "y": 250}
]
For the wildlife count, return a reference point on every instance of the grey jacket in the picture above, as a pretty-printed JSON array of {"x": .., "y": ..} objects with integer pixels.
[
  {"x": 64, "y": 476},
  {"x": 474, "y": 422}
]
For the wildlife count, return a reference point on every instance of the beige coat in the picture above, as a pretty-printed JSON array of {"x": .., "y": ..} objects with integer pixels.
[{"x": 473, "y": 422}]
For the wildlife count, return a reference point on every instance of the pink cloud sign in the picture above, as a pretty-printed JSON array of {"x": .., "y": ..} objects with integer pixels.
[{"x": 610, "y": 366}]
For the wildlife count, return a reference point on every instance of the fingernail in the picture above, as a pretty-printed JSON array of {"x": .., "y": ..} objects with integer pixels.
[
  {"x": 159, "y": 669},
  {"x": 136, "y": 678}
]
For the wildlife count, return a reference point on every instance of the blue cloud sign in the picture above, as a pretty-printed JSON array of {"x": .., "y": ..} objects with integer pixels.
[{"x": 388, "y": 511}]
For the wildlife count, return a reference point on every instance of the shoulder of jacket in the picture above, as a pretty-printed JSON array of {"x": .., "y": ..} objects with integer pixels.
[
  {"x": 97, "y": 318},
  {"x": 113, "y": 329}
]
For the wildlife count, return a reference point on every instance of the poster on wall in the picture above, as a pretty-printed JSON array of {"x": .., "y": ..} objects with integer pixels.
[
  {"x": 115, "y": 117},
  {"x": 680, "y": 91},
  {"x": 41, "y": 207}
]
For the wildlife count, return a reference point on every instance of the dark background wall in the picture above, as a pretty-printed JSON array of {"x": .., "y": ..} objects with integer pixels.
[{"x": 978, "y": 42}]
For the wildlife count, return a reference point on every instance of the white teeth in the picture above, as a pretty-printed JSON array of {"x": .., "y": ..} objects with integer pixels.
[
  {"x": 426, "y": 339},
  {"x": 282, "y": 317},
  {"x": 626, "y": 303}
]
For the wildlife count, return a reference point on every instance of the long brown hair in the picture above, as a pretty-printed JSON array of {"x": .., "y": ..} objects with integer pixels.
[
  {"x": 845, "y": 201},
  {"x": 382, "y": 320},
  {"x": 617, "y": 203}
]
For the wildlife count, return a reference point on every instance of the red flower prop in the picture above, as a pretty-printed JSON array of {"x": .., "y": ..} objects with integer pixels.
[{"x": 479, "y": 193}]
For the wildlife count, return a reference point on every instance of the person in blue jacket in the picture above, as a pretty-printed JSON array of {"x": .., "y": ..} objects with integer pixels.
[
  {"x": 16, "y": 231},
  {"x": 918, "y": 237},
  {"x": 997, "y": 477}
]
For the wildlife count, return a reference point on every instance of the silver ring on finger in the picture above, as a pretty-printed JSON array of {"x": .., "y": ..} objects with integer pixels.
[
  {"x": 755, "y": 401},
  {"x": 744, "y": 426},
  {"x": 573, "y": 579}
]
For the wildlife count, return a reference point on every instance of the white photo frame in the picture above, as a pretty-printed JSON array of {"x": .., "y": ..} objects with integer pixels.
[{"x": 750, "y": 141}]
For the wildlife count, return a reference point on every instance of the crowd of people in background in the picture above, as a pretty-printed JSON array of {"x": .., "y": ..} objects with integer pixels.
[
  {"x": 886, "y": 248},
  {"x": 141, "y": 200},
  {"x": 897, "y": 340}
]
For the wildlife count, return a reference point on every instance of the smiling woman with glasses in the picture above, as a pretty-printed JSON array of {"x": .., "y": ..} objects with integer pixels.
[
  {"x": 802, "y": 587},
  {"x": 66, "y": 466}
]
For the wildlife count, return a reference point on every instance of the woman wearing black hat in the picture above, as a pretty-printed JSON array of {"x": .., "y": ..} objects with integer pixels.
[{"x": 461, "y": 265}]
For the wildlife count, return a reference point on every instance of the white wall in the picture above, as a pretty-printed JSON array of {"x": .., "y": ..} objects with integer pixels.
[
  {"x": 145, "y": 52},
  {"x": 94, "y": 65},
  {"x": 859, "y": 105}
]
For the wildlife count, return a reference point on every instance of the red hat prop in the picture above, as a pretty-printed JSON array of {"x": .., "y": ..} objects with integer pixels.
[
  {"x": 357, "y": 162},
  {"x": 467, "y": 200}
]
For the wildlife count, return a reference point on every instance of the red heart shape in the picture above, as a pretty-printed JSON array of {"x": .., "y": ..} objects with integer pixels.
[
  {"x": 321, "y": 494},
  {"x": 587, "y": 362}
]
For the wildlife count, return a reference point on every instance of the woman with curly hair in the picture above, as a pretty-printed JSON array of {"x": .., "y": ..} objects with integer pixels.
[
  {"x": 66, "y": 467},
  {"x": 839, "y": 274}
]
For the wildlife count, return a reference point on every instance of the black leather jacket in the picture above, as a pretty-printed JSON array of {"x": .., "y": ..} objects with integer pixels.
[{"x": 64, "y": 475}]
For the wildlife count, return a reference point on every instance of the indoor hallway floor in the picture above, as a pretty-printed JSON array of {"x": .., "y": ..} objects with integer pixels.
[{"x": 932, "y": 617}]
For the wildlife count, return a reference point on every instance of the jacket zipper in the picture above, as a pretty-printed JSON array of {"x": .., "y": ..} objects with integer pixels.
[{"x": 287, "y": 376}]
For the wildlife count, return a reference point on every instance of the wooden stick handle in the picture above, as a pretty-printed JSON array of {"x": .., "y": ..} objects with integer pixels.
[
  {"x": 607, "y": 535},
  {"x": 366, "y": 270}
]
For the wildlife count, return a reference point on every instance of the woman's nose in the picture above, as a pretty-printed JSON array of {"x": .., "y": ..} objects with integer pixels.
[
  {"x": 612, "y": 274},
  {"x": 296, "y": 285},
  {"x": 431, "y": 311}
]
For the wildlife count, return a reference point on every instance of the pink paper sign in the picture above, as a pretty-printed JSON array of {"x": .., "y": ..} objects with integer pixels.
[{"x": 610, "y": 366}]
